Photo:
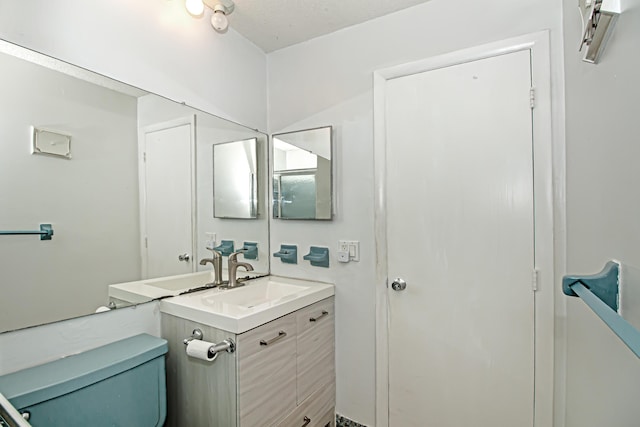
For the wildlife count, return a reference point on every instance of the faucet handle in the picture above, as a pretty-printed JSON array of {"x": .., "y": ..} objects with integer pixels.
[
  {"x": 214, "y": 253},
  {"x": 233, "y": 257}
]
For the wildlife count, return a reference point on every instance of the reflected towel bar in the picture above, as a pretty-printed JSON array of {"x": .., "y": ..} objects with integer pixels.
[
  {"x": 45, "y": 232},
  {"x": 600, "y": 292}
]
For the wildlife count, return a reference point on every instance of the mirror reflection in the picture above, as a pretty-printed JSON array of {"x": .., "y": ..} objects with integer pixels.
[
  {"x": 302, "y": 174},
  {"x": 235, "y": 173},
  {"x": 132, "y": 200}
]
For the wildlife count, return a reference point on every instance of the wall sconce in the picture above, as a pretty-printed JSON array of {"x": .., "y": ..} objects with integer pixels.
[
  {"x": 603, "y": 15},
  {"x": 221, "y": 9}
]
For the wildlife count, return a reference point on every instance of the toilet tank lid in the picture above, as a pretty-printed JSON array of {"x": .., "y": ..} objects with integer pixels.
[{"x": 62, "y": 376}]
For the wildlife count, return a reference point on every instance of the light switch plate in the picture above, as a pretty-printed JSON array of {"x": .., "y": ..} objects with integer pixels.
[{"x": 351, "y": 247}]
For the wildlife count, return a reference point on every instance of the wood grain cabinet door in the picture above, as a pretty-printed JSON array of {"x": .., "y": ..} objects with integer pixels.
[
  {"x": 316, "y": 347},
  {"x": 267, "y": 373},
  {"x": 316, "y": 411}
]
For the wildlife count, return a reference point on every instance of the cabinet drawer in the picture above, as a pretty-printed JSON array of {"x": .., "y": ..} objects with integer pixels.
[
  {"x": 315, "y": 361},
  {"x": 267, "y": 372},
  {"x": 313, "y": 411},
  {"x": 314, "y": 315}
]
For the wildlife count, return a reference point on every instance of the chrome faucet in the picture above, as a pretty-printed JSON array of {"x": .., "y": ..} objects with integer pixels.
[
  {"x": 216, "y": 261},
  {"x": 233, "y": 269}
]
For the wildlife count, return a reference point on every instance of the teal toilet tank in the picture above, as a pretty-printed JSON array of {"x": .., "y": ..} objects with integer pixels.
[{"x": 119, "y": 384}]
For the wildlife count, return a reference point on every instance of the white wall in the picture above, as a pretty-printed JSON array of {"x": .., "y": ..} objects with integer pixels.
[
  {"x": 152, "y": 44},
  {"x": 328, "y": 81},
  {"x": 603, "y": 208},
  {"x": 85, "y": 201}
]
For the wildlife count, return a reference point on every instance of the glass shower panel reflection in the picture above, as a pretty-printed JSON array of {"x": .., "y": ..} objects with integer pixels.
[
  {"x": 297, "y": 195},
  {"x": 302, "y": 176}
]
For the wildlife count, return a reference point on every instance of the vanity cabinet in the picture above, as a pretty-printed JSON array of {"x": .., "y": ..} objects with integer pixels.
[{"x": 281, "y": 374}]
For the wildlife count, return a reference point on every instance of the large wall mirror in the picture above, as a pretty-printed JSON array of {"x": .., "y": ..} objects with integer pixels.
[
  {"x": 120, "y": 174},
  {"x": 303, "y": 174}
]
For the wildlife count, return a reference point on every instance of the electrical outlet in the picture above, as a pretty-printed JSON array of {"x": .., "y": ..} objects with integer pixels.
[{"x": 348, "y": 250}]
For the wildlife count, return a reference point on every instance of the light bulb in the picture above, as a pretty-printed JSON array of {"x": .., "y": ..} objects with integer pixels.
[
  {"x": 194, "y": 7},
  {"x": 219, "y": 21}
]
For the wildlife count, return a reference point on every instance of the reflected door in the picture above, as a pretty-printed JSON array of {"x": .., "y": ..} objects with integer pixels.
[
  {"x": 168, "y": 206},
  {"x": 460, "y": 233}
]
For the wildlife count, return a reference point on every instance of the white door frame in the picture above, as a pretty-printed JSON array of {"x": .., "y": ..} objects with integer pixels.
[
  {"x": 538, "y": 44},
  {"x": 142, "y": 180}
]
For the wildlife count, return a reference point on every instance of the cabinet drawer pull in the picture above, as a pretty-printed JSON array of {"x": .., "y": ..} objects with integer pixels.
[
  {"x": 306, "y": 420},
  {"x": 315, "y": 319},
  {"x": 281, "y": 335}
]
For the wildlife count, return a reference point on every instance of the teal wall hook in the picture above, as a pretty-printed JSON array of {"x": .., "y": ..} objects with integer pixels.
[
  {"x": 318, "y": 256},
  {"x": 225, "y": 248},
  {"x": 287, "y": 254},
  {"x": 250, "y": 250}
]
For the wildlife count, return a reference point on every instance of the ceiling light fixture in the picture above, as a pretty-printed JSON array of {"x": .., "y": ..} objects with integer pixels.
[
  {"x": 221, "y": 8},
  {"x": 194, "y": 7}
]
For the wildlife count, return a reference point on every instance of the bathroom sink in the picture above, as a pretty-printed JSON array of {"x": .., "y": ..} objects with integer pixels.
[
  {"x": 148, "y": 289},
  {"x": 238, "y": 310},
  {"x": 253, "y": 296}
]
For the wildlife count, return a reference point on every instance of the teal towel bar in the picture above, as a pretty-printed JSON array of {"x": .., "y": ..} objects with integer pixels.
[
  {"x": 45, "y": 232},
  {"x": 600, "y": 292}
]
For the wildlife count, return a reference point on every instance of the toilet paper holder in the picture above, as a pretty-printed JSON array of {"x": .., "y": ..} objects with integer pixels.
[{"x": 225, "y": 345}]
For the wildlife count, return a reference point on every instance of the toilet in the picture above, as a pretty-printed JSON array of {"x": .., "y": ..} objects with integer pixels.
[{"x": 119, "y": 384}]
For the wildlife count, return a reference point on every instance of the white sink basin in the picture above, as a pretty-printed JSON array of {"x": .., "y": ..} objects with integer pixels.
[
  {"x": 249, "y": 297},
  {"x": 238, "y": 310}
]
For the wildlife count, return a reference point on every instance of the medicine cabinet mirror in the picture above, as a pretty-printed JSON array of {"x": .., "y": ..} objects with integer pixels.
[
  {"x": 104, "y": 199},
  {"x": 303, "y": 174},
  {"x": 235, "y": 179}
]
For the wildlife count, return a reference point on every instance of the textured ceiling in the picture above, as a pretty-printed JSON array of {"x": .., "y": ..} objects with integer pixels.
[{"x": 274, "y": 24}]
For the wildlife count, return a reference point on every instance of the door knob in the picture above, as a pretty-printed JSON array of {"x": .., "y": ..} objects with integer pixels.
[
  {"x": 184, "y": 257},
  {"x": 398, "y": 284}
]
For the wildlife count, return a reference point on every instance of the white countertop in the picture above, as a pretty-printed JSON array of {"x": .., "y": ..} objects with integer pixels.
[{"x": 238, "y": 310}]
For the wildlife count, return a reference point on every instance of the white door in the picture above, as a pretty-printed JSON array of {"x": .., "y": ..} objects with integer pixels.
[
  {"x": 168, "y": 204},
  {"x": 460, "y": 232}
]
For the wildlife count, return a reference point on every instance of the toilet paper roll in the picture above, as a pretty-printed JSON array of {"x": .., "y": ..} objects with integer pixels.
[{"x": 200, "y": 350}]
